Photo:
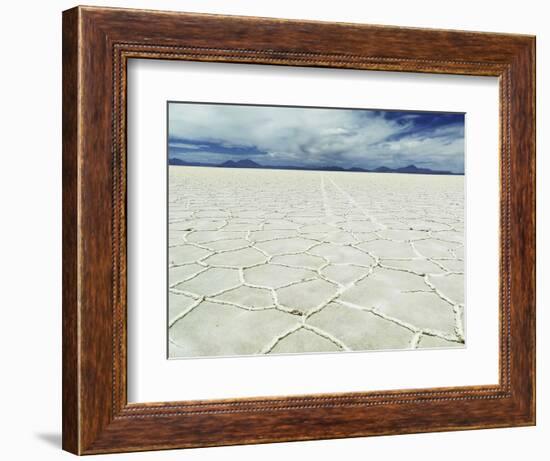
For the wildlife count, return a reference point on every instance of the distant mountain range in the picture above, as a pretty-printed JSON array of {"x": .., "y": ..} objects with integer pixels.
[{"x": 247, "y": 163}]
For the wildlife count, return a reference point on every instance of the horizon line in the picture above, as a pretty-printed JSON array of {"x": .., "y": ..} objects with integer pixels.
[{"x": 234, "y": 164}]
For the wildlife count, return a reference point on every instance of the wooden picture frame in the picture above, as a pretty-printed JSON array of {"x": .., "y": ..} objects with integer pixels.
[{"x": 97, "y": 43}]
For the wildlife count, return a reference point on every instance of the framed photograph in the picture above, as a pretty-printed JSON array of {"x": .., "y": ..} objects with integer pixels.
[{"x": 281, "y": 230}]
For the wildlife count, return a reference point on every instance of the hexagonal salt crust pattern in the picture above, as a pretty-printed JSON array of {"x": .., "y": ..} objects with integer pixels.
[{"x": 272, "y": 261}]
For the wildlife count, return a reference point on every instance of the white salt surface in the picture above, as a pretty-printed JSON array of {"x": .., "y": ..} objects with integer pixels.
[{"x": 273, "y": 261}]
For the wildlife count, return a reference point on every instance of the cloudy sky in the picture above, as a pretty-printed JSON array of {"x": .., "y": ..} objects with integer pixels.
[{"x": 274, "y": 135}]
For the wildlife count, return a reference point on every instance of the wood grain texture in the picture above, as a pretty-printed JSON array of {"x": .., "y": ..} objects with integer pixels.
[
  {"x": 70, "y": 383},
  {"x": 97, "y": 43}
]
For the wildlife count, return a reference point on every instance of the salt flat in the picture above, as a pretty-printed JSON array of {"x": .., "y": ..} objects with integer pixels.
[{"x": 274, "y": 261}]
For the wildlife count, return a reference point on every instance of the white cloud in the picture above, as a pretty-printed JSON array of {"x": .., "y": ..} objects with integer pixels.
[
  {"x": 319, "y": 136},
  {"x": 183, "y": 145}
]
